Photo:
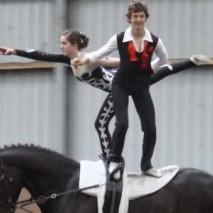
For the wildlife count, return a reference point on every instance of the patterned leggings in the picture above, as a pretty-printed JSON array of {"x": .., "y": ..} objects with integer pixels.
[{"x": 102, "y": 78}]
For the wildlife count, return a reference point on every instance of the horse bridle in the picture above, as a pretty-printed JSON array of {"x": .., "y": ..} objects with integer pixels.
[
  {"x": 40, "y": 200},
  {"x": 7, "y": 180},
  {"x": 11, "y": 205},
  {"x": 43, "y": 199}
]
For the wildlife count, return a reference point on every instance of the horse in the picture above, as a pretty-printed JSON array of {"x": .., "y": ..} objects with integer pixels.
[{"x": 52, "y": 180}]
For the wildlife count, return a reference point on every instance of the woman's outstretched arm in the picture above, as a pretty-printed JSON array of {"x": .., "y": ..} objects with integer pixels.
[{"x": 36, "y": 55}]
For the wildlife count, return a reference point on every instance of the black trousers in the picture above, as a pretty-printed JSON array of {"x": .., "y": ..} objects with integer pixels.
[
  {"x": 107, "y": 112},
  {"x": 145, "y": 109}
]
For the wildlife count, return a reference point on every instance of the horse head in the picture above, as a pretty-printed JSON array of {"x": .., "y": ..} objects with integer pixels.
[
  {"x": 10, "y": 187},
  {"x": 42, "y": 172}
]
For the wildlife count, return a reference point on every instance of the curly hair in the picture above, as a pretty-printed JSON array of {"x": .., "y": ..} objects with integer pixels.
[
  {"x": 137, "y": 6},
  {"x": 76, "y": 37}
]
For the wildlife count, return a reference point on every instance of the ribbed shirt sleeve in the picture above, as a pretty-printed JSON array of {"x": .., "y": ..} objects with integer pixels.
[
  {"x": 109, "y": 47},
  {"x": 162, "y": 55}
]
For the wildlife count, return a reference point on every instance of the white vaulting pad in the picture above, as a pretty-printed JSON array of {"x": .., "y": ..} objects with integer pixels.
[
  {"x": 92, "y": 173},
  {"x": 140, "y": 185},
  {"x": 135, "y": 185}
]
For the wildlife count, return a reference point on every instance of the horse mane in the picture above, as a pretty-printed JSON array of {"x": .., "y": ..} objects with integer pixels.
[
  {"x": 28, "y": 146},
  {"x": 36, "y": 148}
]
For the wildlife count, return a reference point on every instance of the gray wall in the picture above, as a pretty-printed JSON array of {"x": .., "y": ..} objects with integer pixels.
[
  {"x": 27, "y": 24},
  {"x": 184, "y": 25},
  {"x": 27, "y": 108},
  {"x": 33, "y": 101},
  {"x": 51, "y": 108}
]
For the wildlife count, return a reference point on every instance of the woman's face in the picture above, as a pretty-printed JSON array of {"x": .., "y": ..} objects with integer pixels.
[{"x": 67, "y": 48}]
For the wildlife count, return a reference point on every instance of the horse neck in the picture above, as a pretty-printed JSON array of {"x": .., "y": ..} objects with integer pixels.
[
  {"x": 51, "y": 179},
  {"x": 43, "y": 172},
  {"x": 48, "y": 179}
]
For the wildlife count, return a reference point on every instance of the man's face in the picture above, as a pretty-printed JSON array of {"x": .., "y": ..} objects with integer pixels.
[{"x": 138, "y": 19}]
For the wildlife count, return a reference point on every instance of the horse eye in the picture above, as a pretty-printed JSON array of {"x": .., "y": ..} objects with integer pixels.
[{"x": 1, "y": 177}]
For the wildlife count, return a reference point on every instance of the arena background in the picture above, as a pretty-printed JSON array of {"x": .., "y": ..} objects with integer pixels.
[{"x": 43, "y": 104}]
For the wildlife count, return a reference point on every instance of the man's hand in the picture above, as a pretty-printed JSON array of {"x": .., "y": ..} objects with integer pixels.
[{"x": 79, "y": 62}]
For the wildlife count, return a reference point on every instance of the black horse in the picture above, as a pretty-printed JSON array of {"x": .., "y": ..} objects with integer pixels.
[{"x": 52, "y": 180}]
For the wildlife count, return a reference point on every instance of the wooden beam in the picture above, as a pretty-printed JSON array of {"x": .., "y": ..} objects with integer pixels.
[{"x": 28, "y": 65}]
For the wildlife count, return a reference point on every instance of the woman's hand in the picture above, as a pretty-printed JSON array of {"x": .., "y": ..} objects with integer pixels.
[{"x": 7, "y": 51}]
